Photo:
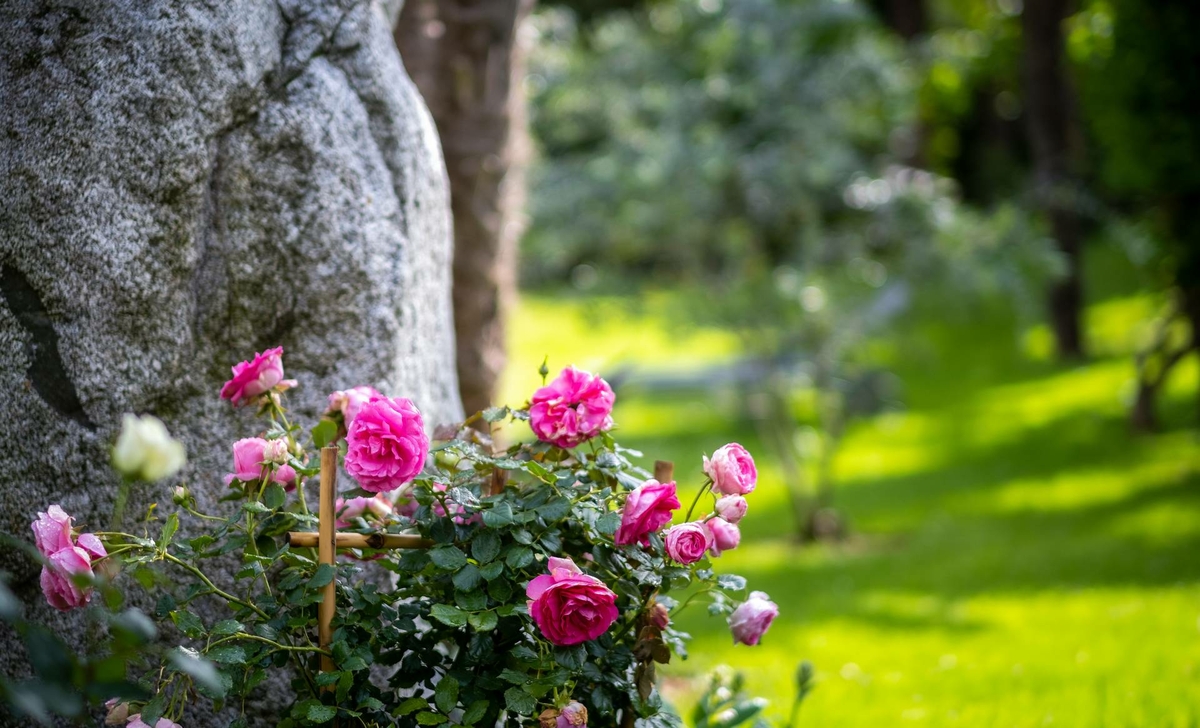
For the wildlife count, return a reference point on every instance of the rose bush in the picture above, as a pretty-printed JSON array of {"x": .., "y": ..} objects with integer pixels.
[{"x": 545, "y": 593}]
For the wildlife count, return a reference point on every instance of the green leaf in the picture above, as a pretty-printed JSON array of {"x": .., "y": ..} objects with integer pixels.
[
  {"x": 324, "y": 432},
  {"x": 227, "y": 627},
  {"x": 168, "y": 531},
  {"x": 475, "y": 712},
  {"x": 492, "y": 570},
  {"x": 467, "y": 578},
  {"x": 201, "y": 670},
  {"x": 324, "y": 575},
  {"x": 445, "y": 696},
  {"x": 427, "y": 718},
  {"x": 227, "y": 655},
  {"x": 541, "y": 472},
  {"x": 555, "y": 510},
  {"x": 608, "y": 523},
  {"x": 471, "y": 601},
  {"x": 449, "y": 558},
  {"x": 483, "y": 621},
  {"x": 448, "y": 615},
  {"x": 319, "y": 713},
  {"x": 731, "y": 582},
  {"x": 188, "y": 623},
  {"x": 410, "y": 705},
  {"x": 519, "y": 557},
  {"x": 494, "y": 414},
  {"x": 255, "y": 507},
  {"x": 571, "y": 657},
  {"x": 499, "y": 515},
  {"x": 519, "y": 701},
  {"x": 485, "y": 546},
  {"x": 274, "y": 497},
  {"x": 513, "y": 676}
]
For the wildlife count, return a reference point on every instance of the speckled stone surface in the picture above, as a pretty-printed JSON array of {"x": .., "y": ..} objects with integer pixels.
[{"x": 183, "y": 184}]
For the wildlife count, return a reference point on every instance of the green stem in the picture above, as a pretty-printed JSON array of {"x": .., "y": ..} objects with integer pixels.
[
  {"x": 705, "y": 487},
  {"x": 208, "y": 582},
  {"x": 273, "y": 643}
]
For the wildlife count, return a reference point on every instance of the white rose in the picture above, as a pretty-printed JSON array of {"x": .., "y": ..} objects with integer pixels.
[{"x": 146, "y": 451}]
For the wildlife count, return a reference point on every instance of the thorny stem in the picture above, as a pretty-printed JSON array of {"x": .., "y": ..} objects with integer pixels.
[{"x": 208, "y": 582}]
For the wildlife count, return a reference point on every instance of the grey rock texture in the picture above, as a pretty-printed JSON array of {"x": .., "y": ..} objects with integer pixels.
[{"x": 183, "y": 184}]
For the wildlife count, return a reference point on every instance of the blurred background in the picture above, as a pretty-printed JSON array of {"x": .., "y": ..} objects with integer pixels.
[{"x": 936, "y": 263}]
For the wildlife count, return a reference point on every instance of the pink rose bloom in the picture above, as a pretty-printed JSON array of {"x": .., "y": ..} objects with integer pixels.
[
  {"x": 575, "y": 407},
  {"x": 348, "y": 510},
  {"x": 135, "y": 721},
  {"x": 572, "y": 715},
  {"x": 254, "y": 377},
  {"x": 349, "y": 401},
  {"x": 60, "y": 591},
  {"x": 251, "y": 456},
  {"x": 647, "y": 508},
  {"x": 687, "y": 542},
  {"x": 52, "y": 531},
  {"x": 750, "y": 621},
  {"x": 570, "y": 606},
  {"x": 731, "y": 507},
  {"x": 732, "y": 470},
  {"x": 660, "y": 616},
  {"x": 726, "y": 536},
  {"x": 386, "y": 444}
]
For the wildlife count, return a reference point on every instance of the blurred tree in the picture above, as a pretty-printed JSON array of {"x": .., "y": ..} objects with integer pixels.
[
  {"x": 1054, "y": 142},
  {"x": 467, "y": 58},
  {"x": 1142, "y": 94}
]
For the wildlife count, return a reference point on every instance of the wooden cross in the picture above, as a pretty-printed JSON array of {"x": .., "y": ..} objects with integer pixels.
[{"x": 328, "y": 540}]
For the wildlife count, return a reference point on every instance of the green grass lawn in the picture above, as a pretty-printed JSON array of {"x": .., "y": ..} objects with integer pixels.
[{"x": 1018, "y": 558}]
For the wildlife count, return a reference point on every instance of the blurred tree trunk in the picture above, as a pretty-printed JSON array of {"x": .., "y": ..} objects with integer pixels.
[
  {"x": 907, "y": 17},
  {"x": 467, "y": 59},
  {"x": 1050, "y": 125}
]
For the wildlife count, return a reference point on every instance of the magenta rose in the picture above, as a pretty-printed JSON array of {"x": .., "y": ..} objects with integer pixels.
[
  {"x": 732, "y": 470},
  {"x": 348, "y": 402},
  {"x": 254, "y": 377},
  {"x": 572, "y": 715},
  {"x": 377, "y": 506},
  {"x": 687, "y": 542},
  {"x": 726, "y": 536},
  {"x": 731, "y": 507},
  {"x": 647, "y": 508},
  {"x": 570, "y": 606},
  {"x": 386, "y": 444},
  {"x": 573, "y": 408},
  {"x": 750, "y": 621}
]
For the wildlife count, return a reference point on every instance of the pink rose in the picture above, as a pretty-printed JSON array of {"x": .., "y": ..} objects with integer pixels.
[
  {"x": 135, "y": 721},
  {"x": 647, "y": 508},
  {"x": 254, "y": 377},
  {"x": 251, "y": 458},
  {"x": 726, "y": 536},
  {"x": 732, "y": 470},
  {"x": 659, "y": 615},
  {"x": 572, "y": 715},
  {"x": 750, "y": 621},
  {"x": 349, "y": 401},
  {"x": 347, "y": 510},
  {"x": 386, "y": 444},
  {"x": 60, "y": 590},
  {"x": 687, "y": 542},
  {"x": 575, "y": 407},
  {"x": 731, "y": 507},
  {"x": 52, "y": 531},
  {"x": 569, "y": 606}
]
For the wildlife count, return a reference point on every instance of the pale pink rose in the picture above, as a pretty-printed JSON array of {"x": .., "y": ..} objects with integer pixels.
[
  {"x": 376, "y": 506},
  {"x": 276, "y": 451},
  {"x": 251, "y": 459},
  {"x": 60, "y": 591},
  {"x": 648, "y": 508},
  {"x": 687, "y": 542},
  {"x": 660, "y": 616},
  {"x": 349, "y": 401},
  {"x": 731, "y": 507},
  {"x": 732, "y": 470},
  {"x": 572, "y": 715},
  {"x": 569, "y": 606},
  {"x": 386, "y": 444},
  {"x": 91, "y": 546},
  {"x": 573, "y": 408},
  {"x": 52, "y": 530},
  {"x": 750, "y": 621},
  {"x": 726, "y": 536},
  {"x": 254, "y": 377},
  {"x": 135, "y": 721}
]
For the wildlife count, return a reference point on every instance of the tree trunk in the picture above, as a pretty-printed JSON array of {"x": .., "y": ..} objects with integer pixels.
[
  {"x": 185, "y": 184},
  {"x": 467, "y": 58},
  {"x": 1050, "y": 125}
]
